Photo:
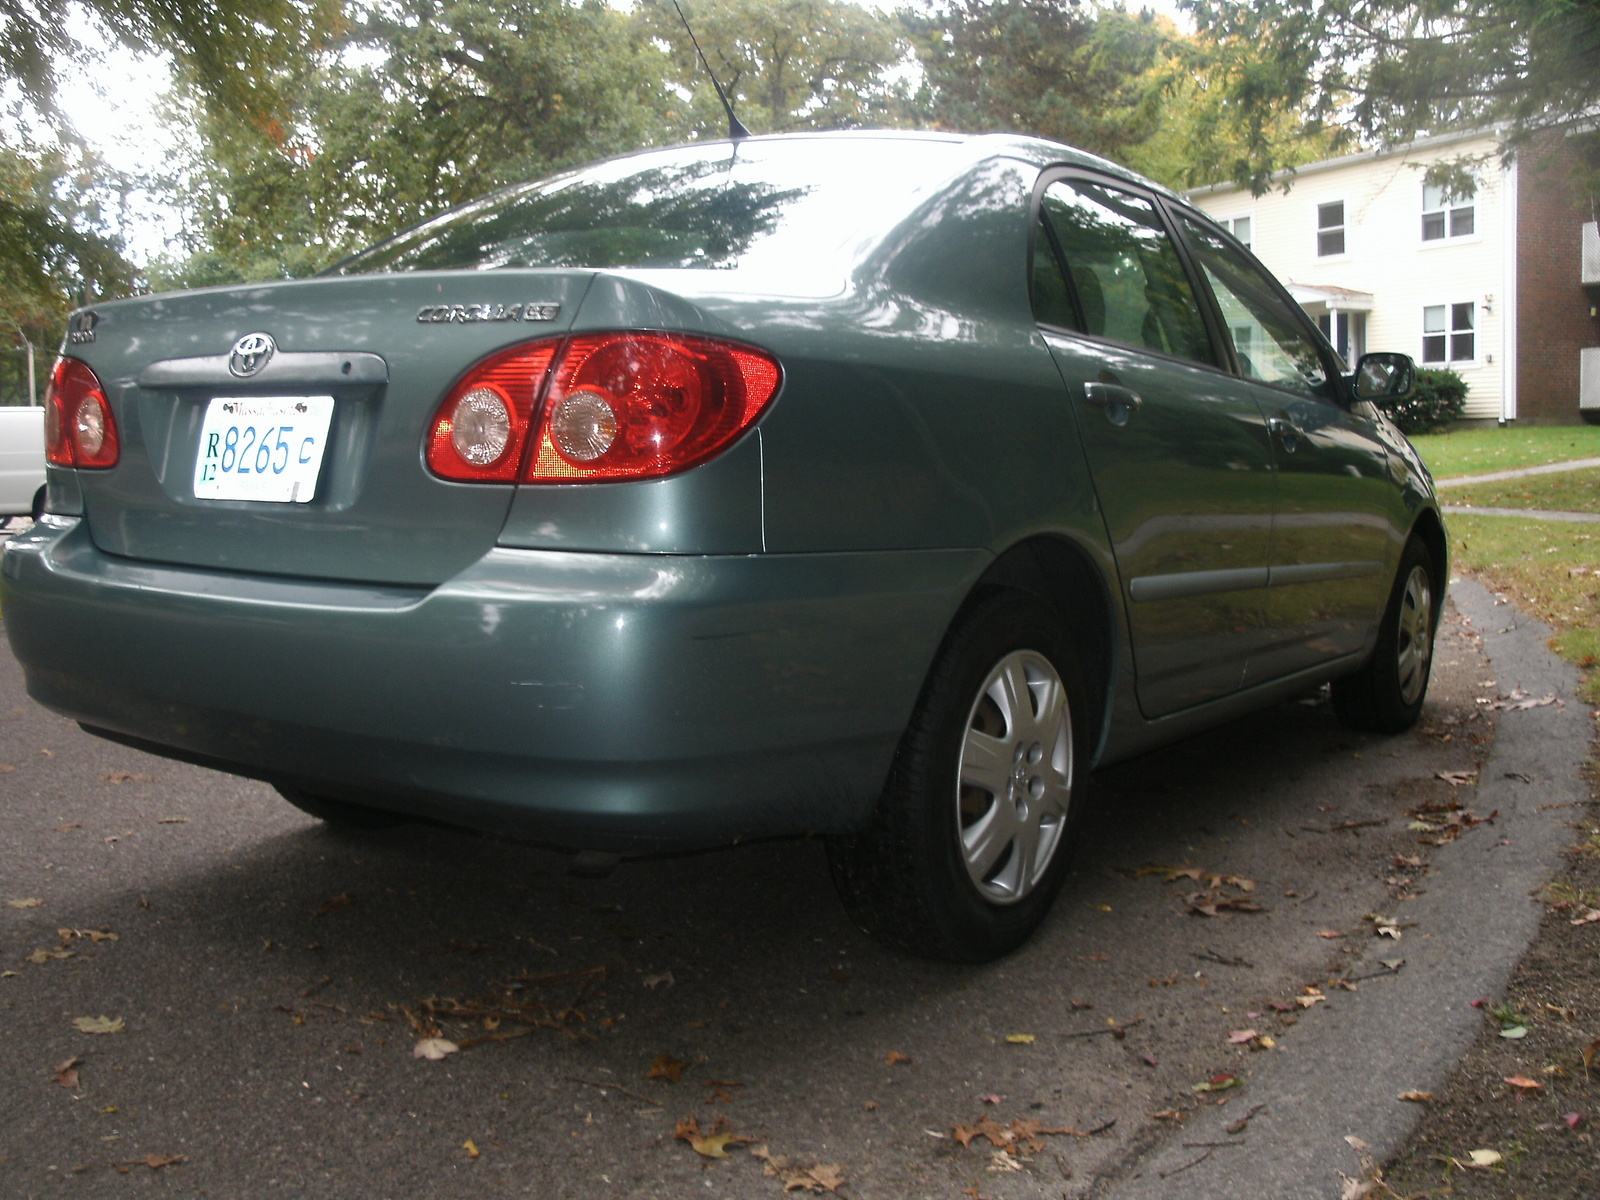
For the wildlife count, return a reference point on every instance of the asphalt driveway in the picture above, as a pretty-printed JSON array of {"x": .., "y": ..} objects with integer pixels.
[{"x": 268, "y": 982}]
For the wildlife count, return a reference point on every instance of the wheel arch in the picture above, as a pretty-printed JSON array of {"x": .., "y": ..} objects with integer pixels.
[
  {"x": 1064, "y": 575},
  {"x": 1428, "y": 528}
]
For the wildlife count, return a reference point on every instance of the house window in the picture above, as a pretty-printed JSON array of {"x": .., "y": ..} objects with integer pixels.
[
  {"x": 1330, "y": 228},
  {"x": 1447, "y": 333},
  {"x": 1447, "y": 216},
  {"x": 1242, "y": 228}
]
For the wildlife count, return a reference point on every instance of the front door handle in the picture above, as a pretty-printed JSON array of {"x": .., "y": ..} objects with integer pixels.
[
  {"x": 1287, "y": 433},
  {"x": 1119, "y": 403}
]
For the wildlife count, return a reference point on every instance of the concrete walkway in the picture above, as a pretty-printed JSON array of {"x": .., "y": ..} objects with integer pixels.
[
  {"x": 1575, "y": 464},
  {"x": 1534, "y": 514}
]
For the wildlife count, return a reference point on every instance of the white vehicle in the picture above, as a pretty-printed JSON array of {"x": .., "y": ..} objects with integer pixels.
[{"x": 21, "y": 461}]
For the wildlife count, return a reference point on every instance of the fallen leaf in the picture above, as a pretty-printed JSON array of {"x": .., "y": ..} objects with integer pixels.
[
  {"x": 1020, "y": 1039},
  {"x": 1592, "y": 914},
  {"x": 333, "y": 904},
  {"x": 1523, "y": 1084},
  {"x": 67, "y": 1073},
  {"x": 1001, "y": 1160},
  {"x": 1266, "y": 1042},
  {"x": 1167, "y": 1114},
  {"x": 1240, "y": 1036},
  {"x": 434, "y": 1048},
  {"x": 1418, "y": 1097},
  {"x": 156, "y": 1161},
  {"x": 664, "y": 1066},
  {"x": 991, "y": 1099},
  {"x": 1330, "y": 933},
  {"x": 664, "y": 979},
  {"x": 797, "y": 1175},
  {"x": 28, "y": 902},
  {"x": 99, "y": 1024},
  {"x": 1588, "y": 1055},
  {"x": 44, "y": 956},
  {"x": 713, "y": 1144},
  {"x": 1456, "y": 778},
  {"x": 894, "y": 1056},
  {"x": 172, "y": 821},
  {"x": 1513, "y": 1032},
  {"x": 1484, "y": 1159},
  {"x": 1219, "y": 1083},
  {"x": 1149, "y": 1060},
  {"x": 1573, "y": 1119},
  {"x": 471, "y": 1148}
]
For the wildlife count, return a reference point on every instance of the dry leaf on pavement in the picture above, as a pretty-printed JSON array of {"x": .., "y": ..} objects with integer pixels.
[
  {"x": 1418, "y": 1097},
  {"x": 99, "y": 1024},
  {"x": 26, "y": 902},
  {"x": 664, "y": 1066},
  {"x": 894, "y": 1056},
  {"x": 154, "y": 1161},
  {"x": 471, "y": 1148},
  {"x": 797, "y": 1175},
  {"x": 1020, "y": 1039},
  {"x": 434, "y": 1048},
  {"x": 1483, "y": 1159},
  {"x": 713, "y": 1143},
  {"x": 67, "y": 1073},
  {"x": 1523, "y": 1084},
  {"x": 1240, "y": 1036}
]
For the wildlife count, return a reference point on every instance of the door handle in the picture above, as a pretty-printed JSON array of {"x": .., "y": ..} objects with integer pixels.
[
  {"x": 1119, "y": 403},
  {"x": 1287, "y": 433}
]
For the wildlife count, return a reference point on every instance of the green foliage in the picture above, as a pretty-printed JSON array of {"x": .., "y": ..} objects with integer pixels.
[
  {"x": 785, "y": 64},
  {"x": 1393, "y": 69},
  {"x": 423, "y": 105},
  {"x": 1437, "y": 400}
]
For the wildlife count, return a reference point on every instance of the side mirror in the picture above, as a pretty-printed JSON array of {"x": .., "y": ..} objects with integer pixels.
[{"x": 1384, "y": 376}]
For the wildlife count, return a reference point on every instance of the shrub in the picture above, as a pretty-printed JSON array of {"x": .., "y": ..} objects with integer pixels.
[{"x": 1439, "y": 397}]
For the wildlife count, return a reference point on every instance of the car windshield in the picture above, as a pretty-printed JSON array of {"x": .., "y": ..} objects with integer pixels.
[{"x": 717, "y": 206}]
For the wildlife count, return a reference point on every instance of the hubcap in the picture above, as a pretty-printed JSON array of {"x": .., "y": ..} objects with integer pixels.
[
  {"x": 1015, "y": 777},
  {"x": 1415, "y": 643}
]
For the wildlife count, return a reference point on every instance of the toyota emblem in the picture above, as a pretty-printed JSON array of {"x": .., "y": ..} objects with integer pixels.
[{"x": 251, "y": 353}]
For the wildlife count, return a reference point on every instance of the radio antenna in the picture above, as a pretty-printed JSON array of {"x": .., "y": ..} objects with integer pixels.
[{"x": 736, "y": 129}]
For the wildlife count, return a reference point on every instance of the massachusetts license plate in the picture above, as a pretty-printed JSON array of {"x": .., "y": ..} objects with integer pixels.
[{"x": 262, "y": 448}]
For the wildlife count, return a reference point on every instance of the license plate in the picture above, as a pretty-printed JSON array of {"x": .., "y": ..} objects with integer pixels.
[{"x": 262, "y": 448}]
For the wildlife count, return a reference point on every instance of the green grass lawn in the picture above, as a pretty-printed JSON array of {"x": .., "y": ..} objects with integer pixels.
[
  {"x": 1479, "y": 451},
  {"x": 1572, "y": 491},
  {"x": 1550, "y": 569}
]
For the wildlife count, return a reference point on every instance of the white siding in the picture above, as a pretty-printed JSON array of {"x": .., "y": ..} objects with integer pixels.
[{"x": 1385, "y": 254}]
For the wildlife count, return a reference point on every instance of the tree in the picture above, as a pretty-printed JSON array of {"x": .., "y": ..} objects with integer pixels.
[
  {"x": 785, "y": 64},
  {"x": 1392, "y": 69},
  {"x": 449, "y": 100},
  {"x": 1054, "y": 69}
]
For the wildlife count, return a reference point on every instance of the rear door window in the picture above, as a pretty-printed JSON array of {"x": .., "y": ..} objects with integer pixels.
[
  {"x": 1124, "y": 270},
  {"x": 1271, "y": 343}
]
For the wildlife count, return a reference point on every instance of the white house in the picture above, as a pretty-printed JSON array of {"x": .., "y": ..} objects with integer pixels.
[{"x": 1385, "y": 262}]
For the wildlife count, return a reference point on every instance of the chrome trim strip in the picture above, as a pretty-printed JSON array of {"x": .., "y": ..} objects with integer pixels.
[
  {"x": 305, "y": 368},
  {"x": 1197, "y": 583},
  {"x": 1321, "y": 572}
]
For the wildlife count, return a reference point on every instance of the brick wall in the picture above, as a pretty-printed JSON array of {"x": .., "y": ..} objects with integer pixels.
[{"x": 1553, "y": 321}]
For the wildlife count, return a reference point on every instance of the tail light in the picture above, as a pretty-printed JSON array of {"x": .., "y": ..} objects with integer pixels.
[
  {"x": 616, "y": 406},
  {"x": 79, "y": 430}
]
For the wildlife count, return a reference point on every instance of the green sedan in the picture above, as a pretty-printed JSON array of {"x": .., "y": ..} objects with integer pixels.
[{"x": 871, "y": 486}]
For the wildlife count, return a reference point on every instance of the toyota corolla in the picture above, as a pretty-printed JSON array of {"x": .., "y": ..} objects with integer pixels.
[{"x": 871, "y": 486}]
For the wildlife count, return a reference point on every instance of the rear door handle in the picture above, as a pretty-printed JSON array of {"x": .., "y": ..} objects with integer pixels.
[{"x": 1118, "y": 401}]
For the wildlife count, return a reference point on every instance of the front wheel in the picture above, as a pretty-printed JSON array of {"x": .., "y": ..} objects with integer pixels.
[
  {"x": 1386, "y": 694},
  {"x": 973, "y": 834}
]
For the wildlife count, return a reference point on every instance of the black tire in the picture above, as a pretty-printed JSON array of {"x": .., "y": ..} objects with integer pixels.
[
  {"x": 1386, "y": 694},
  {"x": 341, "y": 814},
  {"x": 36, "y": 510},
  {"x": 914, "y": 878}
]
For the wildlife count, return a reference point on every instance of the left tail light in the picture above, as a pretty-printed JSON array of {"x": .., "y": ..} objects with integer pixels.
[
  {"x": 79, "y": 430},
  {"x": 615, "y": 406}
]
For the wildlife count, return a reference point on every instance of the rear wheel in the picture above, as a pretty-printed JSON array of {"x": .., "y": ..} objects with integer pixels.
[
  {"x": 1386, "y": 694},
  {"x": 341, "y": 814},
  {"x": 974, "y": 831}
]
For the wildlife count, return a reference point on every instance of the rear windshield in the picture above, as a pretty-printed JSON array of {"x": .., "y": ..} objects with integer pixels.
[{"x": 717, "y": 206}]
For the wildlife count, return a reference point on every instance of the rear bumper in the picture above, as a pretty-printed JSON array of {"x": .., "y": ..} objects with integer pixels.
[{"x": 621, "y": 702}]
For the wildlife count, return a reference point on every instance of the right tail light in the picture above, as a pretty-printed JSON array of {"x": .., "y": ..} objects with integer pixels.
[{"x": 625, "y": 405}]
